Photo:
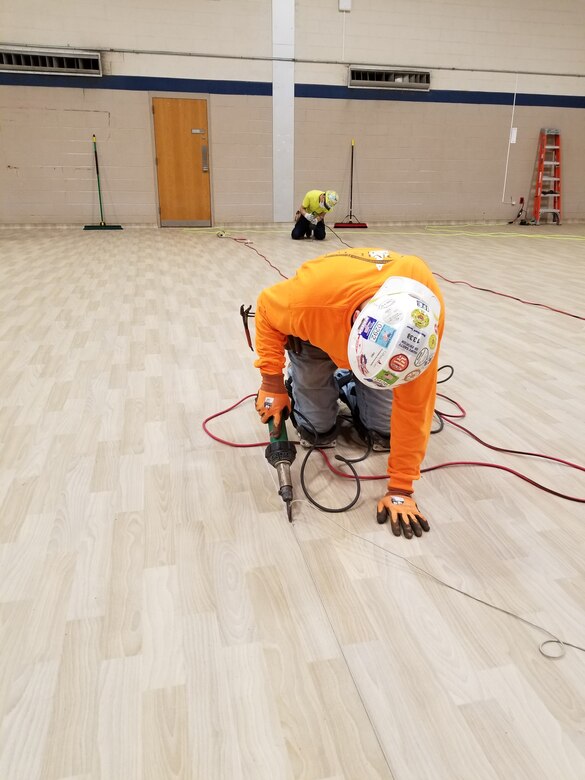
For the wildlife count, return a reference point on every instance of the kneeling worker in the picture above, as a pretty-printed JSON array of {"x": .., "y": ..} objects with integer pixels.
[
  {"x": 378, "y": 315},
  {"x": 310, "y": 218}
]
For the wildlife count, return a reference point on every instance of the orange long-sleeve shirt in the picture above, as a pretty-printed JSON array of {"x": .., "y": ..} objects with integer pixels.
[{"x": 317, "y": 305}]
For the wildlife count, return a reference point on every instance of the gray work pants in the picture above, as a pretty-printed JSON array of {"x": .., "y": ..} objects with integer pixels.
[{"x": 315, "y": 390}]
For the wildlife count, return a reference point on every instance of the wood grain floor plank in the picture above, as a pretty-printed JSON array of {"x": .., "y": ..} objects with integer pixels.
[
  {"x": 122, "y": 634},
  {"x": 72, "y": 734},
  {"x": 24, "y": 729},
  {"x": 159, "y": 517},
  {"x": 164, "y": 734},
  {"x": 308, "y": 741},
  {"x": 90, "y": 588},
  {"x": 119, "y": 720},
  {"x": 356, "y": 744},
  {"x": 163, "y": 662},
  {"x": 213, "y": 731},
  {"x": 262, "y": 744}
]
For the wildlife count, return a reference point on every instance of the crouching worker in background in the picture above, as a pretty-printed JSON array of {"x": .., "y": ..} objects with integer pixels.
[
  {"x": 363, "y": 325},
  {"x": 310, "y": 218}
]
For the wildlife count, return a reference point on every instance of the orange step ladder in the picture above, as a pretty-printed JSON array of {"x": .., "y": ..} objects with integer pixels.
[{"x": 547, "y": 195}]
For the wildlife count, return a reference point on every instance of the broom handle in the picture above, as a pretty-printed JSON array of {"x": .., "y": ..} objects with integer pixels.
[
  {"x": 97, "y": 170},
  {"x": 351, "y": 181}
]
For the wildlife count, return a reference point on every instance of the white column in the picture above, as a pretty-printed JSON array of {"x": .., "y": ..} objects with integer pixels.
[{"x": 283, "y": 110}]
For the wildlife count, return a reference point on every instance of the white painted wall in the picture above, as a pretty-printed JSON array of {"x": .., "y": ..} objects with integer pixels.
[
  {"x": 535, "y": 35},
  {"x": 205, "y": 26},
  {"x": 483, "y": 36}
]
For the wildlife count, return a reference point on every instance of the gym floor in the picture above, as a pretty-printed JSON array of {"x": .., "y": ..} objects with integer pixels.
[{"x": 159, "y": 617}]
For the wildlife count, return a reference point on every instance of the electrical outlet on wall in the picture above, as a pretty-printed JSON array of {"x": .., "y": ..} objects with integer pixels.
[{"x": 345, "y": 5}]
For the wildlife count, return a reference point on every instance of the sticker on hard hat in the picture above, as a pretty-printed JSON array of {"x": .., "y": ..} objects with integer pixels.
[
  {"x": 384, "y": 379},
  {"x": 420, "y": 319},
  {"x": 413, "y": 335},
  {"x": 412, "y": 375},
  {"x": 399, "y": 362},
  {"x": 422, "y": 357},
  {"x": 363, "y": 364},
  {"x": 376, "y": 331},
  {"x": 385, "y": 335},
  {"x": 365, "y": 326}
]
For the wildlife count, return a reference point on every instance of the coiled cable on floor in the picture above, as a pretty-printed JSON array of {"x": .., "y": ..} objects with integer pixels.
[{"x": 349, "y": 462}]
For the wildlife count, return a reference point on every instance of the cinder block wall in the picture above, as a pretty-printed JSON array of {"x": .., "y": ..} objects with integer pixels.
[
  {"x": 449, "y": 159},
  {"x": 47, "y": 172},
  {"x": 419, "y": 162}
]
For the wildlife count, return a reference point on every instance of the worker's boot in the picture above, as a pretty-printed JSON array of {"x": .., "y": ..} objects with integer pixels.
[
  {"x": 379, "y": 442},
  {"x": 324, "y": 441}
]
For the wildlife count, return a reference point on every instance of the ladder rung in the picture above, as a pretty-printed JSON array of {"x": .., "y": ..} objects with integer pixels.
[
  {"x": 549, "y": 211},
  {"x": 551, "y": 178},
  {"x": 552, "y": 147}
]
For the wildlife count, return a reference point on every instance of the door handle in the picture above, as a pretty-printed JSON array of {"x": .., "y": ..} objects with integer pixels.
[{"x": 204, "y": 158}]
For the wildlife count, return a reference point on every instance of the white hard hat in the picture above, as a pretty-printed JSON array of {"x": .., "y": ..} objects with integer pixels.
[{"x": 395, "y": 336}]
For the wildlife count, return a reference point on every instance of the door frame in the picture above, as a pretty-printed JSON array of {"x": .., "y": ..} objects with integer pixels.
[{"x": 183, "y": 96}]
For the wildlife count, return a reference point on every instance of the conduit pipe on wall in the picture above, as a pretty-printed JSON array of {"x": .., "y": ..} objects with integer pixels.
[{"x": 254, "y": 58}]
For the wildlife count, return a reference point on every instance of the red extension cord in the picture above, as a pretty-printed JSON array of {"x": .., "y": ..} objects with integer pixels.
[{"x": 445, "y": 417}]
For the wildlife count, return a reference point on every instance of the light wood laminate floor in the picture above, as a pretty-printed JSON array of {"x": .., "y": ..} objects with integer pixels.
[{"x": 160, "y": 618}]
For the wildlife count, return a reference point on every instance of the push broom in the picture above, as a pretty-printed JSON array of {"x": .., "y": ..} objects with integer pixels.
[
  {"x": 351, "y": 221},
  {"x": 102, "y": 225}
]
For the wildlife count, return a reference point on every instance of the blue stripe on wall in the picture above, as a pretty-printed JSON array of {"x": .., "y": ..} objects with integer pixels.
[
  {"x": 437, "y": 96},
  {"x": 319, "y": 91},
  {"x": 139, "y": 83}
]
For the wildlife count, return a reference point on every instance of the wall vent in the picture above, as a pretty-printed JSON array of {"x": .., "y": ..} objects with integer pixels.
[
  {"x": 382, "y": 78},
  {"x": 16, "y": 59}
]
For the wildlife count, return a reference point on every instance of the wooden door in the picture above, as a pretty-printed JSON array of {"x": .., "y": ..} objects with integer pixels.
[{"x": 182, "y": 161}]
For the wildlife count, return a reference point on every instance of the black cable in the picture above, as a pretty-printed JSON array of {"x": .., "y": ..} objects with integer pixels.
[
  {"x": 348, "y": 462},
  {"x": 441, "y": 422},
  {"x": 447, "y": 378},
  {"x": 338, "y": 237},
  {"x": 436, "y": 413}
]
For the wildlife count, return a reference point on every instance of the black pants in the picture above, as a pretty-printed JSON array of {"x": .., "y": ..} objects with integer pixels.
[{"x": 304, "y": 228}]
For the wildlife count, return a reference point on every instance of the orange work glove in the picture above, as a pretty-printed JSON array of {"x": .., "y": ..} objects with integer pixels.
[
  {"x": 403, "y": 513},
  {"x": 273, "y": 401}
]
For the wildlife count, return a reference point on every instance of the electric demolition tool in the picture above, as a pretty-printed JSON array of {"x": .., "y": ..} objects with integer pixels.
[{"x": 280, "y": 453}]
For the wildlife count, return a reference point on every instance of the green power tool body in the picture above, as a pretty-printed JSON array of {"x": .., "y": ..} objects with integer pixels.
[{"x": 280, "y": 453}]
